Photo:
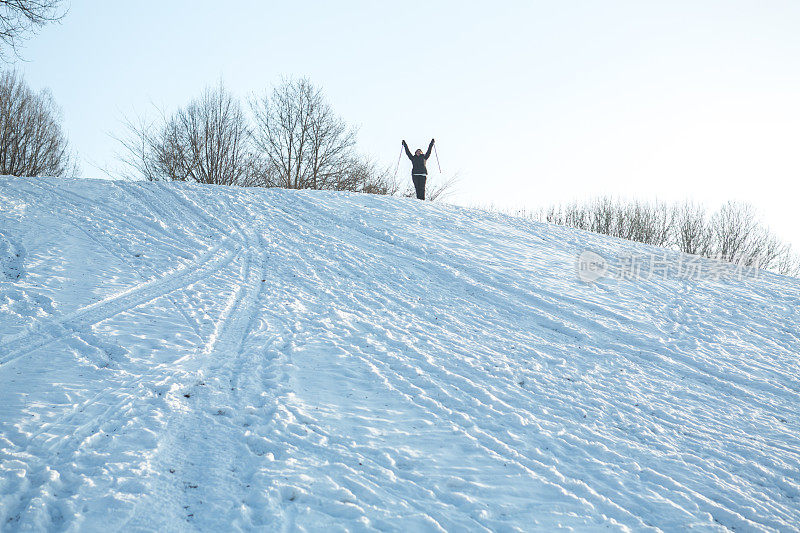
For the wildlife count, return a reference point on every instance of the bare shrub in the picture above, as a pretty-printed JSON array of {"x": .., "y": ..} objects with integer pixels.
[
  {"x": 788, "y": 263},
  {"x": 32, "y": 142},
  {"x": 365, "y": 175},
  {"x": 646, "y": 222},
  {"x": 642, "y": 222},
  {"x": 740, "y": 237},
  {"x": 440, "y": 190},
  {"x": 435, "y": 189}
]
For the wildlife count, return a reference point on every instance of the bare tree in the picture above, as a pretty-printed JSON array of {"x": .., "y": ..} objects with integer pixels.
[
  {"x": 18, "y": 17},
  {"x": 740, "y": 237},
  {"x": 733, "y": 227},
  {"x": 305, "y": 144},
  {"x": 32, "y": 142},
  {"x": 693, "y": 233},
  {"x": 652, "y": 223},
  {"x": 208, "y": 141},
  {"x": 602, "y": 216}
]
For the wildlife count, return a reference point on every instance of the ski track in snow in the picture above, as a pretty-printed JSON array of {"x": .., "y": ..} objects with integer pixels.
[{"x": 178, "y": 357}]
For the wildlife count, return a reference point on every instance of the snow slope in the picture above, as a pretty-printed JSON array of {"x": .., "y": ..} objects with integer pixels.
[{"x": 178, "y": 357}]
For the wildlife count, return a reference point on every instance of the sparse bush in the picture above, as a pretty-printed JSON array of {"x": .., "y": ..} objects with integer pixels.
[
  {"x": 365, "y": 175},
  {"x": 435, "y": 190}
]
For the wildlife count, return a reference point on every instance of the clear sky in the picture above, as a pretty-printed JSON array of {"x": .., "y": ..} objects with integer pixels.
[{"x": 530, "y": 102}]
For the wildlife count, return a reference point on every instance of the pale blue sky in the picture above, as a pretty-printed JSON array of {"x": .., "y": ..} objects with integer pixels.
[{"x": 530, "y": 102}]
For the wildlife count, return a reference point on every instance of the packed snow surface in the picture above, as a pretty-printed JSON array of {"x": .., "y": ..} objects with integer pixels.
[{"x": 181, "y": 357}]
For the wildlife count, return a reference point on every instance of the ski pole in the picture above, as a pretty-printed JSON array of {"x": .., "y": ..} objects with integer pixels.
[
  {"x": 435, "y": 151},
  {"x": 399, "y": 157}
]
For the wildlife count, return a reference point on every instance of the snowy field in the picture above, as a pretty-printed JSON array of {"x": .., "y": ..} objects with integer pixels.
[{"x": 178, "y": 357}]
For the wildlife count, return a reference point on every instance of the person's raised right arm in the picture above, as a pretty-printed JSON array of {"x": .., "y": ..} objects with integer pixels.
[{"x": 408, "y": 153}]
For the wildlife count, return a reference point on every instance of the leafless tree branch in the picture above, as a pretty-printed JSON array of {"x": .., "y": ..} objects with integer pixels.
[{"x": 21, "y": 17}]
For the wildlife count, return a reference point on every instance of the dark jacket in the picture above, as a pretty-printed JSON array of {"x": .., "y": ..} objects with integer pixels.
[{"x": 418, "y": 161}]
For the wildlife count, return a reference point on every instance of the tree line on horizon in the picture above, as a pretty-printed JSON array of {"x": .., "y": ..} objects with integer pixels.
[{"x": 733, "y": 233}]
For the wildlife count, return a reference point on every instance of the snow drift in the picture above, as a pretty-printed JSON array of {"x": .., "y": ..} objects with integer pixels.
[{"x": 179, "y": 357}]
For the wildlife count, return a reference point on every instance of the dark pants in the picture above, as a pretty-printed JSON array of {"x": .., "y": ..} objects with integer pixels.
[{"x": 419, "y": 185}]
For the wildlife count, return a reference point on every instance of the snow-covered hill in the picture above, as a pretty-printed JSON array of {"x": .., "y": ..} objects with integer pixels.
[{"x": 178, "y": 357}]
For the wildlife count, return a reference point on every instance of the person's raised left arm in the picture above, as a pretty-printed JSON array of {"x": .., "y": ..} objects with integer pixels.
[{"x": 430, "y": 147}]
